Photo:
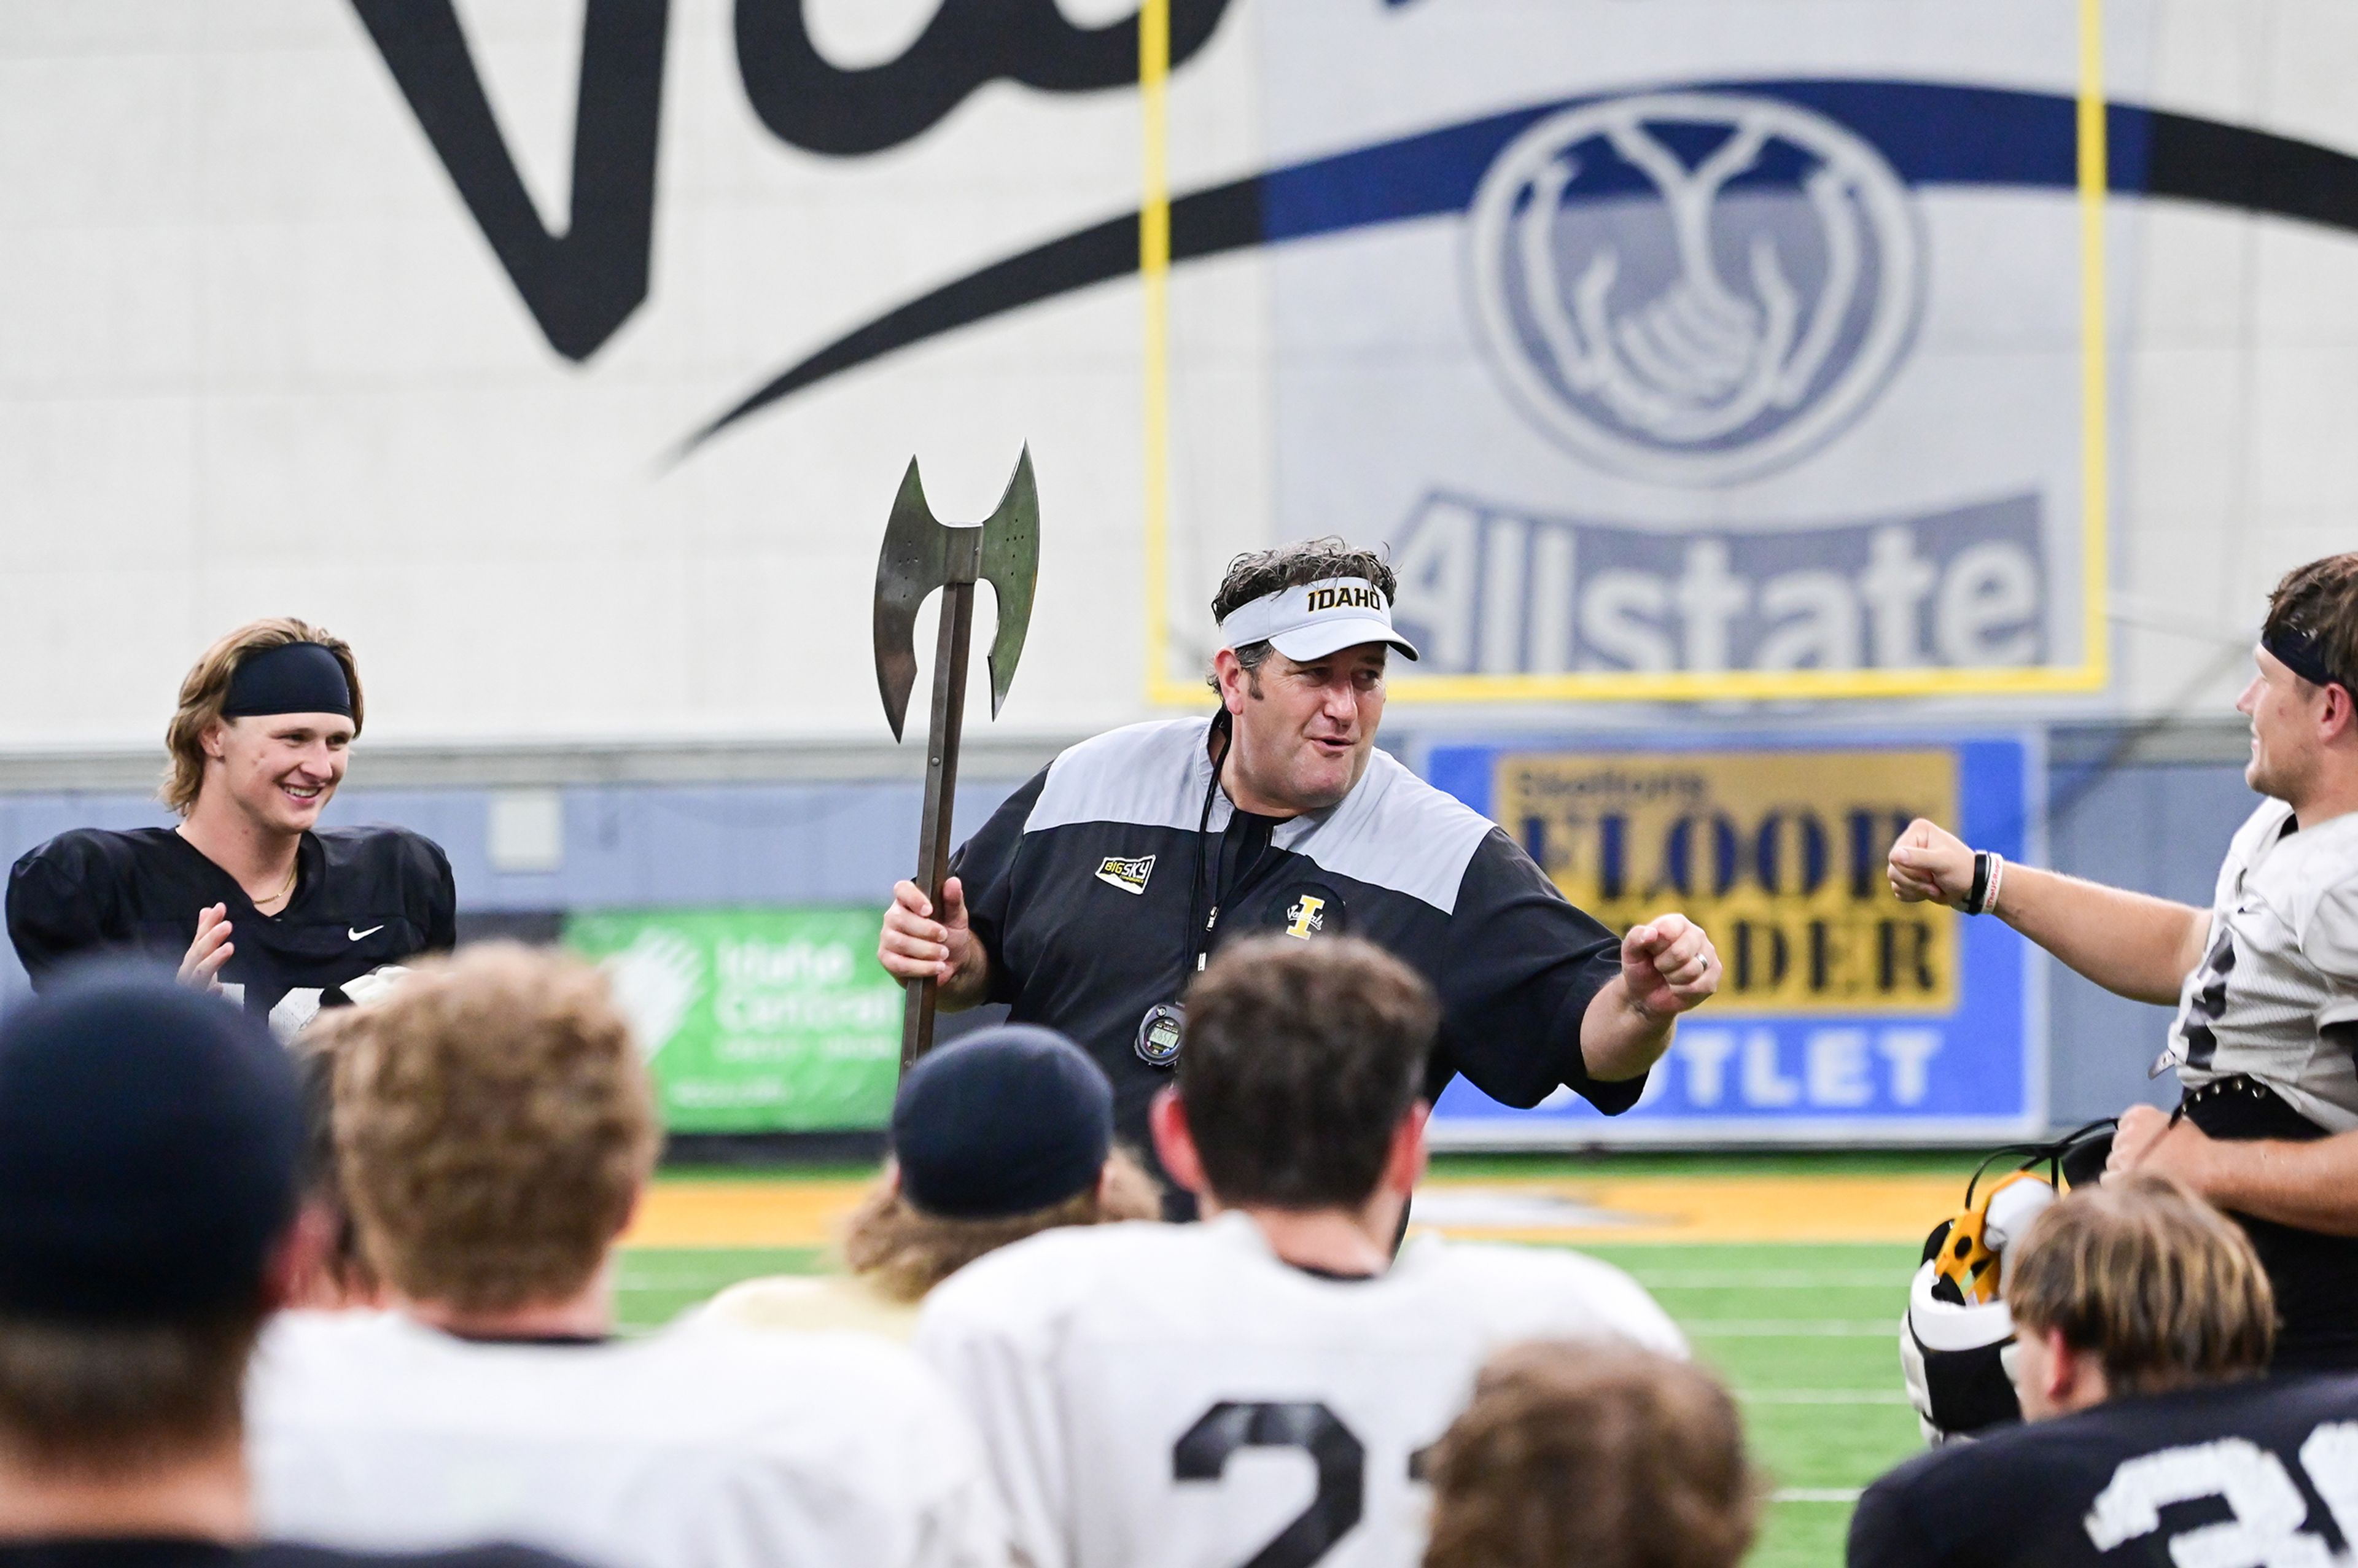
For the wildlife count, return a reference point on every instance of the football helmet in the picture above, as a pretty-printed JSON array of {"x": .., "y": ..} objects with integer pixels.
[{"x": 1956, "y": 1338}]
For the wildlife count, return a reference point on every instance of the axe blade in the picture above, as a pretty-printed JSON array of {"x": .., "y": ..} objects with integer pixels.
[
  {"x": 1010, "y": 564},
  {"x": 914, "y": 562}
]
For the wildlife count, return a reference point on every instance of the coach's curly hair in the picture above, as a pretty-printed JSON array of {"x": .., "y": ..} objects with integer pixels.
[
  {"x": 1596, "y": 1454},
  {"x": 907, "y": 1252},
  {"x": 1258, "y": 572},
  {"x": 494, "y": 1127},
  {"x": 205, "y": 689}
]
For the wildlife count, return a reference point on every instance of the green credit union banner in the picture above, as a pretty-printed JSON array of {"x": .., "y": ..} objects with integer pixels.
[{"x": 755, "y": 1020}]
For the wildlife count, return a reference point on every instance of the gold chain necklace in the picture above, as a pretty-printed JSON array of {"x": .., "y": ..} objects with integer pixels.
[{"x": 283, "y": 894}]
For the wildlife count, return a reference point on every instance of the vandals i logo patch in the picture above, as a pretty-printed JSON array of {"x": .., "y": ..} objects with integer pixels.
[
  {"x": 1314, "y": 911},
  {"x": 1128, "y": 875}
]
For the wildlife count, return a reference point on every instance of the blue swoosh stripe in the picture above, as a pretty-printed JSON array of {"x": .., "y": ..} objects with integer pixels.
[{"x": 1931, "y": 132}]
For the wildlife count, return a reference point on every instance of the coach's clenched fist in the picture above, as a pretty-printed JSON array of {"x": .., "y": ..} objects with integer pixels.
[
  {"x": 917, "y": 946},
  {"x": 1668, "y": 965}
]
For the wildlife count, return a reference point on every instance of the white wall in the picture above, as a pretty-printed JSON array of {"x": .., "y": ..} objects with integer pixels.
[
  {"x": 2239, "y": 379},
  {"x": 256, "y": 357}
]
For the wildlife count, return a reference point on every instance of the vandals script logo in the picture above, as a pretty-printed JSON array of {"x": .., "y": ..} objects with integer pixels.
[{"x": 1693, "y": 288}]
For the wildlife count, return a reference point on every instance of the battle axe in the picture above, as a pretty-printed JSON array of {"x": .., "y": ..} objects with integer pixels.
[{"x": 921, "y": 555}]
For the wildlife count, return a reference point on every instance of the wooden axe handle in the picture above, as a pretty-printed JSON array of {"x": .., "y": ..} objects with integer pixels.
[{"x": 946, "y": 722}]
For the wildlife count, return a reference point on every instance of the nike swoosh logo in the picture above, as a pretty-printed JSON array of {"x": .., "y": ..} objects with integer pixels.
[{"x": 356, "y": 935}]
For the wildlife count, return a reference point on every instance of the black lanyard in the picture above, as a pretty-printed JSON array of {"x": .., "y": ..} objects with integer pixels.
[
  {"x": 1199, "y": 935},
  {"x": 1202, "y": 922},
  {"x": 1161, "y": 1028}
]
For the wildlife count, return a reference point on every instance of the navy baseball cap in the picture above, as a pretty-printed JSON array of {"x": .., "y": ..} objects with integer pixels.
[
  {"x": 150, "y": 1137},
  {"x": 1003, "y": 1122}
]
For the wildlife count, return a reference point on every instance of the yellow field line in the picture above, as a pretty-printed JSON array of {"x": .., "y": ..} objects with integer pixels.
[
  {"x": 741, "y": 1213},
  {"x": 1723, "y": 1208},
  {"x": 1623, "y": 1209}
]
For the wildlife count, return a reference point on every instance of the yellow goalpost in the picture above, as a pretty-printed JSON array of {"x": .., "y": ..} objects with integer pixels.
[{"x": 2092, "y": 674}]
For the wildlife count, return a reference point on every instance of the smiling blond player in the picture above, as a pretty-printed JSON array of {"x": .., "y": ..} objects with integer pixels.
[
  {"x": 245, "y": 894},
  {"x": 1096, "y": 894}
]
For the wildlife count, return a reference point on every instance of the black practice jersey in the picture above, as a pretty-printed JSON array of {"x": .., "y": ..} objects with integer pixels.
[
  {"x": 1081, "y": 888},
  {"x": 167, "y": 1552},
  {"x": 2256, "y": 1472},
  {"x": 364, "y": 897}
]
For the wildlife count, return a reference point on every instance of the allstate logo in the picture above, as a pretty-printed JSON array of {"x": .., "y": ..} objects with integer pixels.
[{"x": 1693, "y": 288}]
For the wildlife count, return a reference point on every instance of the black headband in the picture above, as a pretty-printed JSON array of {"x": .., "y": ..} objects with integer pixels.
[
  {"x": 294, "y": 677},
  {"x": 2299, "y": 651}
]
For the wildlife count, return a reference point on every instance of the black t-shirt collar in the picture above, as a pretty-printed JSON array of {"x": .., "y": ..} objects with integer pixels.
[
  {"x": 309, "y": 861},
  {"x": 1243, "y": 843}
]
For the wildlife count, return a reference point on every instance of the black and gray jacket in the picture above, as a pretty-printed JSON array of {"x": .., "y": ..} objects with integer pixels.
[{"x": 1080, "y": 887}]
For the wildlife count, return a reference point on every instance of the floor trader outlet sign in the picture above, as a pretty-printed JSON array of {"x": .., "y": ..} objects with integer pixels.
[
  {"x": 755, "y": 1020},
  {"x": 1843, "y": 1012}
]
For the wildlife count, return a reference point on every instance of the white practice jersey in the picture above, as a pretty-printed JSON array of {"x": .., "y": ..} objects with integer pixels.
[
  {"x": 2276, "y": 996},
  {"x": 1159, "y": 1396},
  {"x": 700, "y": 1446}
]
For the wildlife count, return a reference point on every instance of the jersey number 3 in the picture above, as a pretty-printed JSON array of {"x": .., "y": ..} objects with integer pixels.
[
  {"x": 2209, "y": 1000},
  {"x": 2264, "y": 1507},
  {"x": 1203, "y": 1452}
]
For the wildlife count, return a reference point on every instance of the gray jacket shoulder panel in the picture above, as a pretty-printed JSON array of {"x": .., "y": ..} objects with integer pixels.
[
  {"x": 1394, "y": 831},
  {"x": 1149, "y": 775}
]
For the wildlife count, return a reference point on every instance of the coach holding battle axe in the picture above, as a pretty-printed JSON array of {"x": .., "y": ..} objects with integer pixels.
[{"x": 1095, "y": 893}]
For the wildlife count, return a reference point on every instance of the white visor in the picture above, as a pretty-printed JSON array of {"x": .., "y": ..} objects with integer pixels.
[{"x": 1313, "y": 620}]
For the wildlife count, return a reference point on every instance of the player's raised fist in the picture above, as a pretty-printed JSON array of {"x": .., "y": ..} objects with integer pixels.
[
  {"x": 1669, "y": 966},
  {"x": 915, "y": 946},
  {"x": 1930, "y": 864}
]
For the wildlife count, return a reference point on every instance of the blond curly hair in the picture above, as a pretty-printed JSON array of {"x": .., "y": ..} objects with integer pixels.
[
  {"x": 494, "y": 1127},
  {"x": 907, "y": 1252}
]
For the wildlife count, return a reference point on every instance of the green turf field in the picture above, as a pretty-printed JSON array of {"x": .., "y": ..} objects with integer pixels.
[
  {"x": 1807, "y": 1337},
  {"x": 1804, "y": 1333}
]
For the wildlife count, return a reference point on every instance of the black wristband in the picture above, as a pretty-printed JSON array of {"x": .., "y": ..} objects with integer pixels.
[{"x": 1975, "y": 903}]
